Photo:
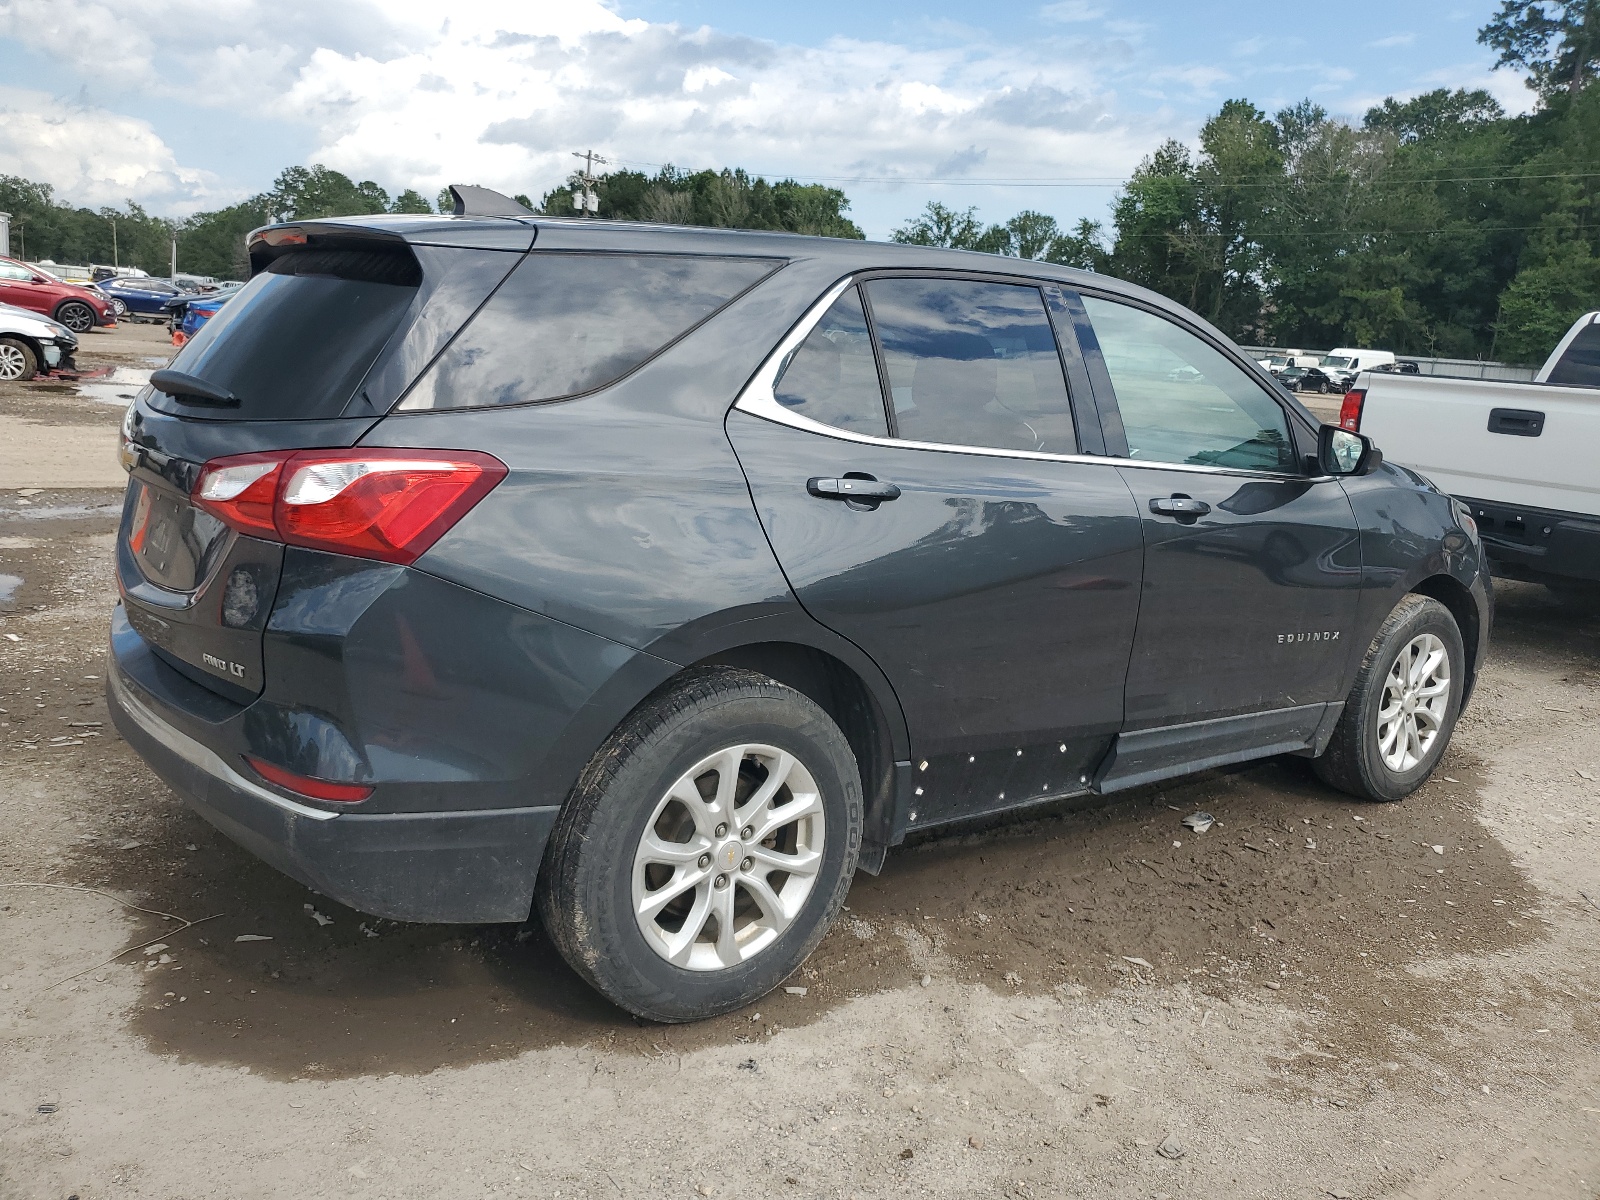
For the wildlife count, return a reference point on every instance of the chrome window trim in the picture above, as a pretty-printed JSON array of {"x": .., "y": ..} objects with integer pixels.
[
  {"x": 197, "y": 755},
  {"x": 757, "y": 399}
]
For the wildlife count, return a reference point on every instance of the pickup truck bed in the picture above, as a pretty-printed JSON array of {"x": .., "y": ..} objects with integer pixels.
[{"x": 1524, "y": 456}]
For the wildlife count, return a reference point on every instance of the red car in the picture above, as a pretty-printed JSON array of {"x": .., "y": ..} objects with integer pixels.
[{"x": 78, "y": 308}]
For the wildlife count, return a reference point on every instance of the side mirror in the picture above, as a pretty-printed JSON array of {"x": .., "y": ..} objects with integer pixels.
[{"x": 1341, "y": 452}]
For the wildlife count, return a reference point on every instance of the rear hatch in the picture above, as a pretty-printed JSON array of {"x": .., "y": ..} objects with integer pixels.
[{"x": 331, "y": 330}]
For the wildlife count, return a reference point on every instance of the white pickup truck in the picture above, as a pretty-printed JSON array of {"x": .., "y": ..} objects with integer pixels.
[{"x": 1524, "y": 456}]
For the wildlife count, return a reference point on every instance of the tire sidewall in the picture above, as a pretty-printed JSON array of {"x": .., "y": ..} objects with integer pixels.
[
  {"x": 30, "y": 361},
  {"x": 1433, "y": 618},
  {"x": 604, "y": 879},
  {"x": 71, "y": 306}
]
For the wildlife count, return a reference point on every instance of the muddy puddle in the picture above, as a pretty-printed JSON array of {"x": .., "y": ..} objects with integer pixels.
[
  {"x": 117, "y": 388},
  {"x": 1295, "y": 895},
  {"x": 47, "y": 508}
]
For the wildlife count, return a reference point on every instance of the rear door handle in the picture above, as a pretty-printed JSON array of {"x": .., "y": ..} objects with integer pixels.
[
  {"x": 1519, "y": 422},
  {"x": 852, "y": 489},
  {"x": 1179, "y": 506}
]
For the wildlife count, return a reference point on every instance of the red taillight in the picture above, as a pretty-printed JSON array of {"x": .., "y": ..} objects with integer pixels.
[
  {"x": 317, "y": 789},
  {"x": 1350, "y": 410},
  {"x": 385, "y": 504},
  {"x": 241, "y": 491}
]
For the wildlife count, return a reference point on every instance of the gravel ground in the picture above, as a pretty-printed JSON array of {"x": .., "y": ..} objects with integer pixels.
[{"x": 1317, "y": 997}]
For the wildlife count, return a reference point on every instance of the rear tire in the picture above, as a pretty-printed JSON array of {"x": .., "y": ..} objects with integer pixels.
[
  {"x": 1402, "y": 710},
  {"x": 76, "y": 316},
  {"x": 658, "y": 841},
  {"x": 17, "y": 360}
]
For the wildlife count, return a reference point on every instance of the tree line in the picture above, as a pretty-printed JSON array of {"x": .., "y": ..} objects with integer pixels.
[{"x": 209, "y": 243}]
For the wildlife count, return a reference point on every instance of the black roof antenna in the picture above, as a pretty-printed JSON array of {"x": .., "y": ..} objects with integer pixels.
[{"x": 484, "y": 202}]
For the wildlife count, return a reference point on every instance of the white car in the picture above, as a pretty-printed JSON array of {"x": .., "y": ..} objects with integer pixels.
[{"x": 31, "y": 343}]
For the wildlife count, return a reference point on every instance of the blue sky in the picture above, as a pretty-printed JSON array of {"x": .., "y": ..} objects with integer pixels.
[{"x": 185, "y": 104}]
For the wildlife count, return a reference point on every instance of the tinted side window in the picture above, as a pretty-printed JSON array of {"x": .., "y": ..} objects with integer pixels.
[
  {"x": 973, "y": 364},
  {"x": 1581, "y": 363},
  {"x": 833, "y": 377},
  {"x": 564, "y": 324},
  {"x": 21, "y": 274},
  {"x": 1182, "y": 401}
]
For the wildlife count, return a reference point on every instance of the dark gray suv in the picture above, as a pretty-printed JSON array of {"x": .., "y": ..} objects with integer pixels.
[{"x": 660, "y": 579}]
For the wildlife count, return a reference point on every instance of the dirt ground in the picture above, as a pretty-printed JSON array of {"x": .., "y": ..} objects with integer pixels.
[{"x": 1315, "y": 998}]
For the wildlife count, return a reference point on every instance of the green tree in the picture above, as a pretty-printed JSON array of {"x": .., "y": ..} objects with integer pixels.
[
  {"x": 728, "y": 199},
  {"x": 1434, "y": 113},
  {"x": 305, "y": 193},
  {"x": 939, "y": 225},
  {"x": 1557, "y": 42},
  {"x": 411, "y": 201},
  {"x": 213, "y": 243},
  {"x": 1083, "y": 248}
]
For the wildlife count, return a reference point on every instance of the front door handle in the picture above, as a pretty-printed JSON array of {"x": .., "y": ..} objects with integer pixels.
[
  {"x": 1179, "y": 506},
  {"x": 870, "y": 490}
]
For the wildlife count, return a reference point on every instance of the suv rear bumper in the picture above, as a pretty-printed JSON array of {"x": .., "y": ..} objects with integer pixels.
[{"x": 468, "y": 867}]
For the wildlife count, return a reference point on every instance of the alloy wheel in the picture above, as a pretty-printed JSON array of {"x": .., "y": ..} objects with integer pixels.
[
  {"x": 728, "y": 858},
  {"x": 1416, "y": 699},
  {"x": 77, "y": 317},
  {"x": 13, "y": 361},
  {"x": 118, "y": 308}
]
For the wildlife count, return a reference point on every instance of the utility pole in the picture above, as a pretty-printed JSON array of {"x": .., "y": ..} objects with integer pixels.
[
  {"x": 5, "y": 233},
  {"x": 587, "y": 201},
  {"x": 174, "y": 259},
  {"x": 115, "y": 262}
]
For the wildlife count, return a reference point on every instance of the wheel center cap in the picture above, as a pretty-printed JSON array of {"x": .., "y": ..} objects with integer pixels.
[
  {"x": 1410, "y": 703},
  {"x": 729, "y": 854}
]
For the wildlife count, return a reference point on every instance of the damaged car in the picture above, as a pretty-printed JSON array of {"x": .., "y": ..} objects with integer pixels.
[{"x": 32, "y": 344}]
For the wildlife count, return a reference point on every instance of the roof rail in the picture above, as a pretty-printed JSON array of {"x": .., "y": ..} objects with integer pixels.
[{"x": 484, "y": 202}]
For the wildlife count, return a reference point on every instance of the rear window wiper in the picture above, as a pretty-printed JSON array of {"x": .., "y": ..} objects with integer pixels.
[{"x": 190, "y": 389}]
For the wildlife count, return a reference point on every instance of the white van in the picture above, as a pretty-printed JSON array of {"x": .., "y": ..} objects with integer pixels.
[{"x": 1349, "y": 360}]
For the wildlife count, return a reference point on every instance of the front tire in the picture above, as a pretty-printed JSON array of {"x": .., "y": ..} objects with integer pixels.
[
  {"x": 706, "y": 848},
  {"x": 17, "y": 360},
  {"x": 1402, "y": 710},
  {"x": 76, "y": 316}
]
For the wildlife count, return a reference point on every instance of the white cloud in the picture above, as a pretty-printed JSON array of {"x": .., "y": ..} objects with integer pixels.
[
  {"x": 95, "y": 157},
  {"x": 1069, "y": 11},
  {"x": 522, "y": 97},
  {"x": 413, "y": 95},
  {"x": 1393, "y": 40}
]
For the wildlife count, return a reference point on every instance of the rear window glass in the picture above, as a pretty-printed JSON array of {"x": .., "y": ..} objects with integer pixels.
[
  {"x": 565, "y": 324},
  {"x": 1581, "y": 363},
  {"x": 296, "y": 341}
]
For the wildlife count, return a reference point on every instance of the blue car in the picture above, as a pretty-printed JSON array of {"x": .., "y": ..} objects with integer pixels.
[
  {"x": 139, "y": 295},
  {"x": 187, "y": 312}
]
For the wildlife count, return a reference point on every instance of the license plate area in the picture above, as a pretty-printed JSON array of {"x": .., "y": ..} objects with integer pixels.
[
  {"x": 197, "y": 592},
  {"x": 175, "y": 544}
]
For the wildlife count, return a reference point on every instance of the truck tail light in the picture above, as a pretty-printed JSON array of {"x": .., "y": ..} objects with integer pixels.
[
  {"x": 1350, "y": 410},
  {"x": 390, "y": 505},
  {"x": 305, "y": 785}
]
